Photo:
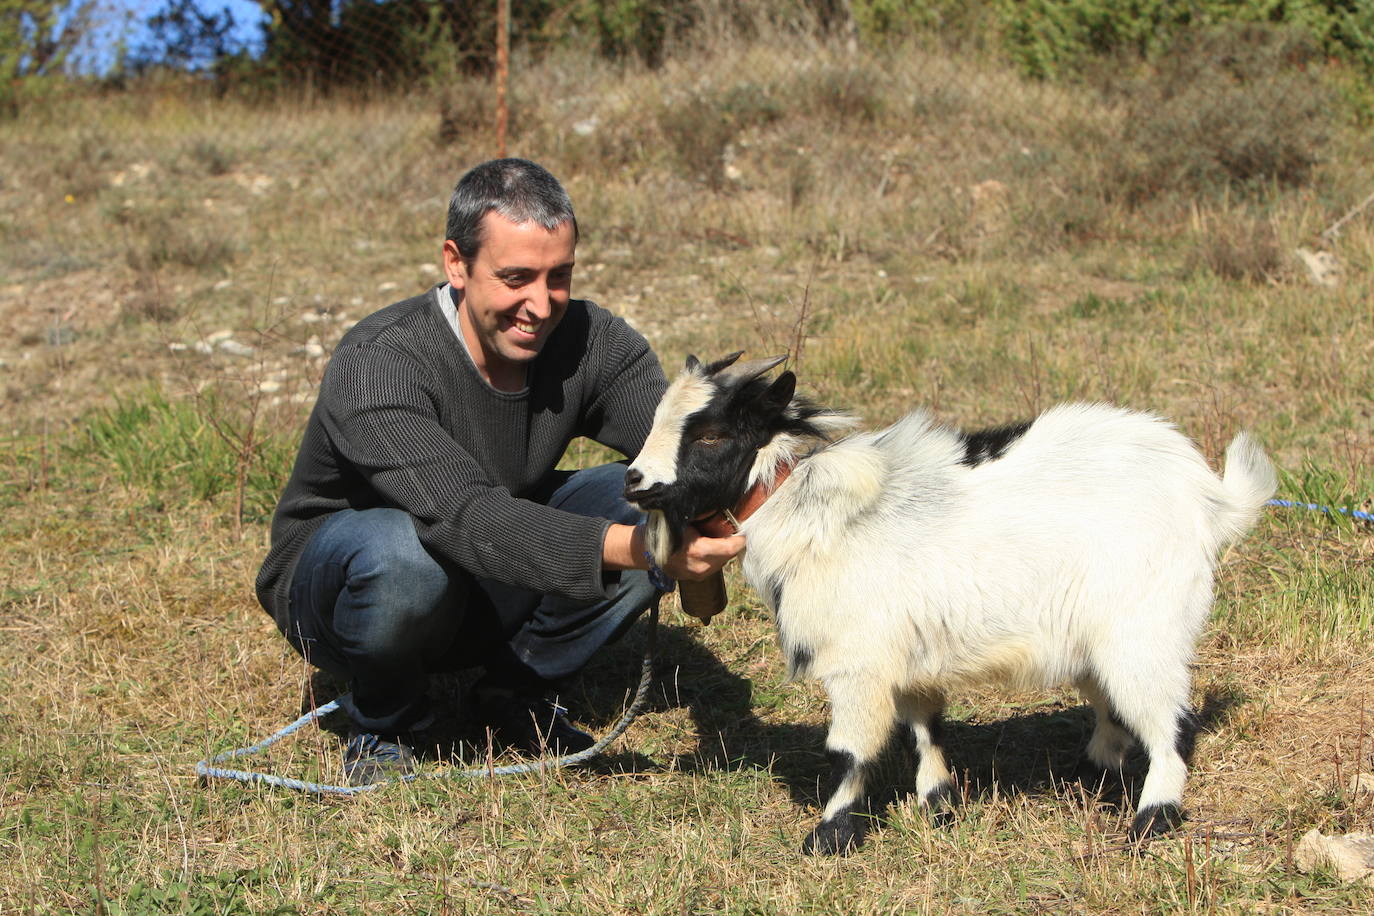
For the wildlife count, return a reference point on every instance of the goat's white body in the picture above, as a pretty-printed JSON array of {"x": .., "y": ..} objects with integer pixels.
[
  {"x": 897, "y": 557},
  {"x": 1084, "y": 554}
]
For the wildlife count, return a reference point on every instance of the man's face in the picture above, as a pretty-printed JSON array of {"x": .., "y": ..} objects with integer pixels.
[{"x": 514, "y": 295}]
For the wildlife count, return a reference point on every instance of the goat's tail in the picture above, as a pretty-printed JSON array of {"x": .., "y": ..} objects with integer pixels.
[{"x": 1249, "y": 481}]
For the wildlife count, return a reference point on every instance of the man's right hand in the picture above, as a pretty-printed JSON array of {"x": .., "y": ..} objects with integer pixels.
[
  {"x": 698, "y": 558},
  {"x": 701, "y": 557}
]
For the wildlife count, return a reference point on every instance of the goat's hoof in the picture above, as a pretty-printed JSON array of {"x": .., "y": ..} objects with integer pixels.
[
  {"x": 837, "y": 837},
  {"x": 939, "y": 804},
  {"x": 1154, "y": 820}
]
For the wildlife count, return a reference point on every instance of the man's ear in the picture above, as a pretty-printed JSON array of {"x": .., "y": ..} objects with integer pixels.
[{"x": 455, "y": 268}]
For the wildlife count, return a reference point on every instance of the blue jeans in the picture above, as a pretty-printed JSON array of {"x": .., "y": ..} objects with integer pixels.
[{"x": 371, "y": 605}]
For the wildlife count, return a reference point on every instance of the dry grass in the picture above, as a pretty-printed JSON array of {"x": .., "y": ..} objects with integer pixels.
[{"x": 917, "y": 228}]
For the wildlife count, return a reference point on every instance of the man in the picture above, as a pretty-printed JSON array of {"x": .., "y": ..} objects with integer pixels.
[{"x": 424, "y": 526}]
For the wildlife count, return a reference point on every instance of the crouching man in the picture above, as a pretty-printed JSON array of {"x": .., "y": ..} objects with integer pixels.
[{"x": 424, "y": 526}]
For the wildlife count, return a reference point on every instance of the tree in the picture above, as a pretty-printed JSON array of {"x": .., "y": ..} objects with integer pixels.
[
  {"x": 37, "y": 40},
  {"x": 344, "y": 42},
  {"x": 37, "y": 37},
  {"x": 184, "y": 35}
]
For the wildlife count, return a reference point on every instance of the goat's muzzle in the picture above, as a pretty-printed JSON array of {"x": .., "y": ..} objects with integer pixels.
[{"x": 647, "y": 498}]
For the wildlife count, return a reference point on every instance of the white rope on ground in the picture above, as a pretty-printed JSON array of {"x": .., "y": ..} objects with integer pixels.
[{"x": 209, "y": 769}]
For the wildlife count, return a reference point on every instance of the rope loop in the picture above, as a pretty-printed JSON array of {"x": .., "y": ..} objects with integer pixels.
[{"x": 210, "y": 769}]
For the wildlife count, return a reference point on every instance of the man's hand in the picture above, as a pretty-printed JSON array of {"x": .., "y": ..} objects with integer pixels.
[{"x": 699, "y": 557}]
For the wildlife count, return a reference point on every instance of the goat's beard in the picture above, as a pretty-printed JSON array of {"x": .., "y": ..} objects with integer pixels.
[{"x": 661, "y": 537}]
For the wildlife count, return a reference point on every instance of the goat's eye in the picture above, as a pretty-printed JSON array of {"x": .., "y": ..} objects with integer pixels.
[{"x": 711, "y": 439}]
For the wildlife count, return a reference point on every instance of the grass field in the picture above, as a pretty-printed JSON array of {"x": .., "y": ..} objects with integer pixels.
[{"x": 917, "y": 227}]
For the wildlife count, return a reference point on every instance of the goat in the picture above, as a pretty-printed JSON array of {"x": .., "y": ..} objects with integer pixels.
[{"x": 904, "y": 563}]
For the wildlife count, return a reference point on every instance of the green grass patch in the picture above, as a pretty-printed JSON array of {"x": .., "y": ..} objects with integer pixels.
[{"x": 173, "y": 450}]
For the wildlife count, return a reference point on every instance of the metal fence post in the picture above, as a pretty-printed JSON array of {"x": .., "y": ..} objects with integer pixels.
[{"x": 502, "y": 73}]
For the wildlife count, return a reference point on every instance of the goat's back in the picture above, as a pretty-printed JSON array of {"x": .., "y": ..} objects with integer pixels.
[{"x": 888, "y": 543}]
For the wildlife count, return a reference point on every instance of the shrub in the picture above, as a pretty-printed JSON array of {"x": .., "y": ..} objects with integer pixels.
[
  {"x": 1240, "y": 248},
  {"x": 879, "y": 19},
  {"x": 162, "y": 234},
  {"x": 1048, "y": 38},
  {"x": 844, "y": 91},
  {"x": 634, "y": 28},
  {"x": 699, "y": 127},
  {"x": 211, "y": 156},
  {"x": 1229, "y": 107}
]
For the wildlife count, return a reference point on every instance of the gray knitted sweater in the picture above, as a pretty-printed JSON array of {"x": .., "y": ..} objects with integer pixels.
[{"x": 405, "y": 420}]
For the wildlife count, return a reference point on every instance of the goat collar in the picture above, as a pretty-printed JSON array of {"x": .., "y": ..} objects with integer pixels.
[{"x": 723, "y": 523}]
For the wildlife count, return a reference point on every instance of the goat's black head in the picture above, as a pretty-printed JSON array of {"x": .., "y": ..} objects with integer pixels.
[{"x": 703, "y": 451}]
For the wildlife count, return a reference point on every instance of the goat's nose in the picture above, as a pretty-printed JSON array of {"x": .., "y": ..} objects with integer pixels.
[{"x": 633, "y": 478}]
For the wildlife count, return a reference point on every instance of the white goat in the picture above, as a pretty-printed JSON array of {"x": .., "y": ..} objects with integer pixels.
[{"x": 908, "y": 562}]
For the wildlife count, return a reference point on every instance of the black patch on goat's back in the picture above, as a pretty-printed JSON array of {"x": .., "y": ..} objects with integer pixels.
[{"x": 986, "y": 445}]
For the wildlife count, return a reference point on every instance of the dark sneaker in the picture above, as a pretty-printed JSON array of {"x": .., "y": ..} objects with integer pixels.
[
  {"x": 534, "y": 726},
  {"x": 370, "y": 759}
]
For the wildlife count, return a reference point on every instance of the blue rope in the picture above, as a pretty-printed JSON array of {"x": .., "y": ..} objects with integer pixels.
[
  {"x": 1353, "y": 513},
  {"x": 209, "y": 769}
]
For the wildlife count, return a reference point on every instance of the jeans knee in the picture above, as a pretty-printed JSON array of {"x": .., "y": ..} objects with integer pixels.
[
  {"x": 394, "y": 621},
  {"x": 392, "y": 559},
  {"x": 399, "y": 598},
  {"x": 598, "y": 491},
  {"x": 404, "y": 579}
]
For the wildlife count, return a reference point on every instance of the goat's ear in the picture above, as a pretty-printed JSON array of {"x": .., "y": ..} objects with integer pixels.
[
  {"x": 779, "y": 394},
  {"x": 692, "y": 363}
]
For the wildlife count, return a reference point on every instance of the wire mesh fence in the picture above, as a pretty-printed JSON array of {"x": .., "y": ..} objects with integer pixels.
[{"x": 722, "y": 155}]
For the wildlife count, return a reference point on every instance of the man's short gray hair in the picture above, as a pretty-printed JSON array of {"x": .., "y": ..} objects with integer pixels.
[{"x": 519, "y": 190}]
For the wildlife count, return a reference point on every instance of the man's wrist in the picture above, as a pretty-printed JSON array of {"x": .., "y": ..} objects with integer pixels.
[{"x": 618, "y": 548}]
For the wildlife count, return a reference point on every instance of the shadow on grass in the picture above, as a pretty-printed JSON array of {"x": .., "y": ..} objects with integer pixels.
[
  {"x": 687, "y": 675},
  {"x": 1032, "y": 753}
]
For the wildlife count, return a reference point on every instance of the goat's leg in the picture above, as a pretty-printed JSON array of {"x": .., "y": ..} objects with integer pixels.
[
  {"x": 861, "y": 716},
  {"x": 1106, "y": 751},
  {"x": 1153, "y": 704},
  {"x": 934, "y": 787}
]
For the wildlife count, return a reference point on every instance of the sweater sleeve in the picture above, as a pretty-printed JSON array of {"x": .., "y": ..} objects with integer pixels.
[
  {"x": 628, "y": 390},
  {"x": 380, "y": 414}
]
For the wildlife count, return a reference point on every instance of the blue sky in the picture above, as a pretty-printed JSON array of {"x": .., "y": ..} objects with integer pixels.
[{"x": 126, "y": 18}]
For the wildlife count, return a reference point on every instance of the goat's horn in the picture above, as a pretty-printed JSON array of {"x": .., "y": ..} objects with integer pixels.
[
  {"x": 740, "y": 373},
  {"x": 718, "y": 365}
]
